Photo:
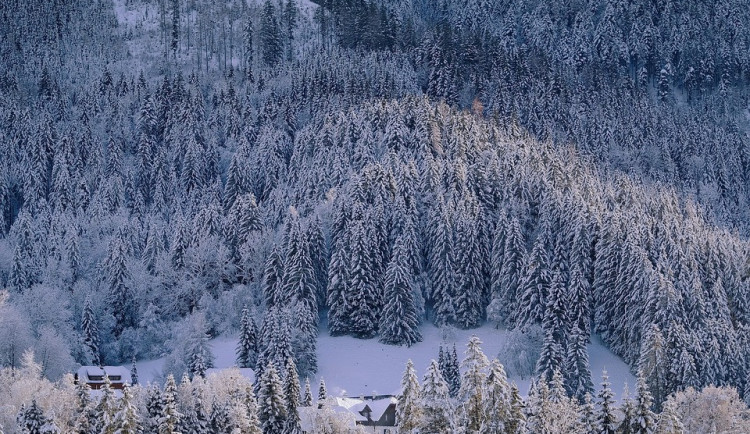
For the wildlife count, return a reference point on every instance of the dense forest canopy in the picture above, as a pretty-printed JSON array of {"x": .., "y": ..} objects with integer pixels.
[{"x": 360, "y": 168}]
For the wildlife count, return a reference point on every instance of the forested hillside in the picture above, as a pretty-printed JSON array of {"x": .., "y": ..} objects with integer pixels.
[{"x": 361, "y": 168}]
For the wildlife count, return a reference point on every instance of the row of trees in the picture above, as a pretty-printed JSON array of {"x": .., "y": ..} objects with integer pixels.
[{"x": 485, "y": 402}]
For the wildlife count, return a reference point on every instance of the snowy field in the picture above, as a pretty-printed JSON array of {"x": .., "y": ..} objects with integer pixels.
[{"x": 354, "y": 367}]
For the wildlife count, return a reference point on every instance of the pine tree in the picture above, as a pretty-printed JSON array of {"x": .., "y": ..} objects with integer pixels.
[
  {"x": 247, "y": 348},
  {"x": 399, "y": 324},
  {"x": 270, "y": 35},
  {"x": 272, "y": 277},
  {"x": 32, "y": 420},
  {"x": 516, "y": 423},
  {"x": 126, "y": 419},
  {"x": 408, "y": 412},
  {"x": 644, "y": 421},
  {"x": 588, "y": 415},
  {"x": 120, "y": 298},
  {"x": 307, "y": 400},
  {"x": 497, "y": 400},
  {"x": 251, "y": 407},
  {"x": 154, "y": 410},
  {"x": 577, "y": 371},
  {"x": 170, "y": 418},
  {"x": 272, "y": 409},
  {"x": 364, "y": 319},
  {"x": 628, "y": 409},
  {"x": 535, "y": 283},
  {"x": 437, "y": 412},
  {"x": 322, "y": 393},
  {"x": 471, "y": 393},
  {"x": 669, "y": 421},
  {"x": 219, "y": 419},
  {"x": 198, "y": 418},
  {"x": 85, "y": 416},
  {"x": 133, "y": 373},
  {"x": 470, "y": 281},
  {"x": 90, "y": 332},
  {"x": 106, "y": 409},
  {"x": 292, "y": 393},
  {"x": 442, "y": 274},
  {"x": 319, "y": 255},
  {"x": 606, "y": 417},
  {"x": 337, "y": 296},
  {"x": 453, "y": 376},
  {"x": 198, "y": 349}
]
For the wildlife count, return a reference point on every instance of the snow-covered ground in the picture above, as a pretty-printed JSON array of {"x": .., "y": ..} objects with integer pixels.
[{"x": 354, "y": 367}]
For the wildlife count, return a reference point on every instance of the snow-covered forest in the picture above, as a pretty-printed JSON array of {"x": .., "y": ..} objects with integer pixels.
[{"x": 176, "y": 170}]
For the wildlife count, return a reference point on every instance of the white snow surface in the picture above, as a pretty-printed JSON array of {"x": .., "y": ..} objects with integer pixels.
[{"x": 356, "y": 367}]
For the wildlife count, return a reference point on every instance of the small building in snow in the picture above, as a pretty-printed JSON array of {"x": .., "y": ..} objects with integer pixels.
[
  {"x": 376, "y": 414},
  {"x": 118, "y": 376},
  {"x": 371, "y": 414}
]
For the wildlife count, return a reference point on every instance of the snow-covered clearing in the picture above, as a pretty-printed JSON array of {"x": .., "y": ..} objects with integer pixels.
[{"x": 354, "y": 367}]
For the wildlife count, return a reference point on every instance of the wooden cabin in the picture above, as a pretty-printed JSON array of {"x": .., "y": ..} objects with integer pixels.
[{"x": 94, "y": 376}]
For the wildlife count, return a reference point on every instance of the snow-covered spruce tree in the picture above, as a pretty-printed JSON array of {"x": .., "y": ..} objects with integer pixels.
[
  {"x": 292, "y": 395},
  {"x": 121, "y": 301},
  {"x": 154, "y": 410},
  {"x": 304, "y": 343},
  {"x": 251, "y": 407},
  {"x": 653, "y": 363},
  {"x": 219, "y": 418},
  {"x": 32, "y": 420},
  {"x": 606, "y": 408},
  {"x": 644, "y": 421},
  {"x": 668, "y": 421},
  {"x": 170, "y": 418},
  {"x": 299, "y": 284},
  {"x": 577, "y": 371},
  {"x": 471, "y": 393},
  {"x": 497, "y": 400},
  {"x": 554, "y": 323},
  {"x": 468, "y": 300},
  {"x": 90, "y": 332},
  {"x": 133, "y": 373},
  {"x": 364, "y": 315},
  {"x": 273, "y": 273},
  {"x": 534, "y": 285},
  {"x": 337, "y": 295},
  {"x": 197, "y": 419},
  {"x": 408, "y": 410},
  {"x": 399, "y": 324},
  {"x": 197, "y": 349},
  {"x": 247, "y": 347},
  {"x": 126, "y": 420},
  {"x": 437, "y": 411},
  {"x": 270, "y": 35},
  {"x": 271, "y": 402},
  {"x": 319, "y": 256},
  {"x": 85, "y": 415},
  {"x": 628, "y": 408},
  {"x": 307, "y": 398},
  {"x": 322, "y": 393},
  {"x": 589, "y": 420},
  {"x": 453, "y": 374},
  {"x": 106, "y": 409},
  {"x": 442, "y": 268},
  {"x": 516, "y": 423}
]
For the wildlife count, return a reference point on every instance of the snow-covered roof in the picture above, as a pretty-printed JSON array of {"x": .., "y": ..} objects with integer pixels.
[
  {"x": 95, "y": 374},
  {"x": 379, "y": 406},
  {"x": 357, "y": 406}
]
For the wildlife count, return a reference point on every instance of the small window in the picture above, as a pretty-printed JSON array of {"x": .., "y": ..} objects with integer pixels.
[{"x": 115, "y": 377}]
